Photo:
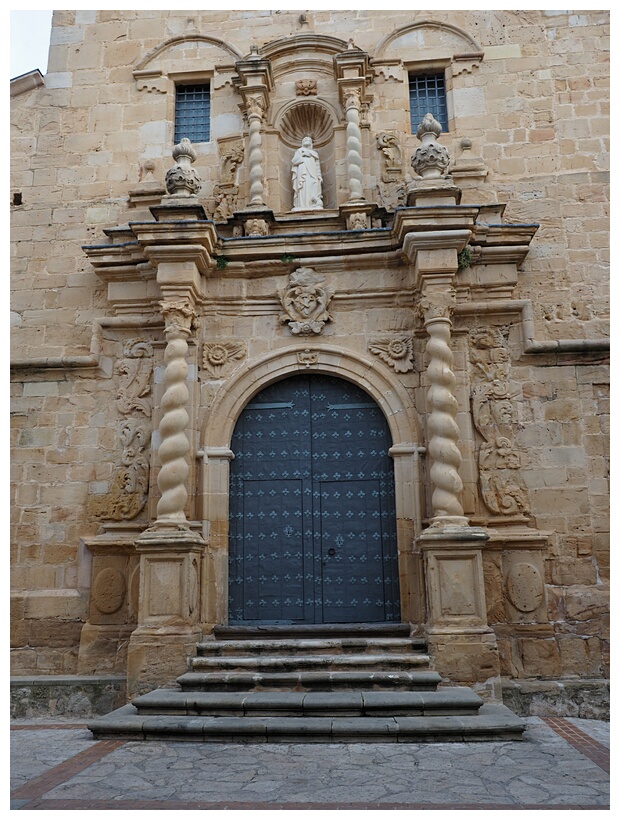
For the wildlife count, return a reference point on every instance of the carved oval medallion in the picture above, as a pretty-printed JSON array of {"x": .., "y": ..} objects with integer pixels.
[
  {"x": 109, "y": 590},
  {"x": 525, "y": 587}
]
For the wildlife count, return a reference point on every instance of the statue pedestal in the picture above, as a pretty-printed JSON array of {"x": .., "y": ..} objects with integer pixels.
[
  {"x": 168, "y": 611},
  {"x": 460, "y": 640}
]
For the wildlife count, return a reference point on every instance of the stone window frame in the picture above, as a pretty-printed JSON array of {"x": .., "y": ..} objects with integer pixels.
[
  {"x": 176, "y": 79},
  {"x": 427, "y": 67},
  {"x": 184, "y": 83}
]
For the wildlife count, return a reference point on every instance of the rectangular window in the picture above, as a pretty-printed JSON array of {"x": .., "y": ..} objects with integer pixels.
[
  {"x": 192, "y": 113},
  {"x": 427, "y": 92}
]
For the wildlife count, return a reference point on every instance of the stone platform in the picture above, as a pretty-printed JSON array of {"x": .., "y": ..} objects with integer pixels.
[{"x": 329, "y": 684}]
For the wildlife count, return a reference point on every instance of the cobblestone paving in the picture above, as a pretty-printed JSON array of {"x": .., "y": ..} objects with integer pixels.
[{"x": 544, "y": 770}]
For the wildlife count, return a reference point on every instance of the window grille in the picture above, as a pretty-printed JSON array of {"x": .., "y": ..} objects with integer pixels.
[
  {"x": 192, "y": 113},
  {"x": 427, "y": 92}
]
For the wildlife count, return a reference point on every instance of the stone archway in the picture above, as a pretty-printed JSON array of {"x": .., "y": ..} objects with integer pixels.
[{"x": 401, "y": 417}]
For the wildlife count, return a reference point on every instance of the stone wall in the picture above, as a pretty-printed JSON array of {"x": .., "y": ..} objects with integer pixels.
[{"x": 528, "y": 97}]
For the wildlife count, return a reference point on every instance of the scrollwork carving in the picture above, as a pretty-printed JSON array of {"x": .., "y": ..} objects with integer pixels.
[
  {"x": 129, "y": 489},
  {"x": 134, "y": 370},
  {"x": 305, "y": 88},
  {"x": 493, "y": 413}
]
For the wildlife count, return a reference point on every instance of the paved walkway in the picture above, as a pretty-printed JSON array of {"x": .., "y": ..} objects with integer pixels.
[{"x": 562, "y": 763}]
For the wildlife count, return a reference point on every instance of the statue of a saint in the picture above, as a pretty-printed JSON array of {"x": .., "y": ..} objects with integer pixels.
[{"x": 307, "y": 178}]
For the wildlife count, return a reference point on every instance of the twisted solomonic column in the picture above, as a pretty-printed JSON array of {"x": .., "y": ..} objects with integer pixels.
[
  {"x": 174, "y": 444},
  {"x": 255, "y": 112},
  {"x": 354, "y": 145},
  {"x": 443, "y": 430}
]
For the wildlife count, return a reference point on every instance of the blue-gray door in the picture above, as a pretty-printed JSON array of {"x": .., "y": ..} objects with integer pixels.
[{"x": 312, "y": 521}]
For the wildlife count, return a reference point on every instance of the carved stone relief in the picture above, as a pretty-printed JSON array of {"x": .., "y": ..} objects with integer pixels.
[
  {"x": 308, "y": 357},
  {"x": 218, "y": 358},
  {"x": 396, "y": 351},
  {"x": 134, "y": 371},
  {"x": 499, "y": 460},
  {"x": 128, "y": 490},
  {"x": 305, "y": 302},
  {"x": 305, "y": 88},
  {"x": 109, "y": 590},
  {"x": 226, "y": 192},
  {"x": 392, "y": 190}
]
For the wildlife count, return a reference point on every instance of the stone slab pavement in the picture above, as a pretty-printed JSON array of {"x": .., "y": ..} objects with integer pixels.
[{"x": 562, "y": 763}]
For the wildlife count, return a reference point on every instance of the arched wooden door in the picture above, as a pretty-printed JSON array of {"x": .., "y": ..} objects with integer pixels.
[{"x": 312, "y": 522}]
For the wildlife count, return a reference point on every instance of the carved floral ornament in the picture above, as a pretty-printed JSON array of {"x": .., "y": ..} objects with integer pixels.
[
  {"x": 305, "y": 302},
  {"x": 217, "y": 357},
  {"x": 396, "y": 351}
]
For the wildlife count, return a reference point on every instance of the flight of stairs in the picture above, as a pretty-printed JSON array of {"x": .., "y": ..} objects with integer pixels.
[{"x": 327, "y": 683}]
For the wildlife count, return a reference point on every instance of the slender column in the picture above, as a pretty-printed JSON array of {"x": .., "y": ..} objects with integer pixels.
[
  {"x": 442, "y": 427},
  {"x": 254, "y": 82},
  {"x": 255, "y": 110},
  {"x": 354, "y": 145},
  {"x": 174, "y": 446}
]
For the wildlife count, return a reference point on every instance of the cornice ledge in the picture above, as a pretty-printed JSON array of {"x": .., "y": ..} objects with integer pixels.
[{"x": 434, "y": 241}]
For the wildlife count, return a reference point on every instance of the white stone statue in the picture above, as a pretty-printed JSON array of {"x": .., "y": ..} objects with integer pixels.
[{"x": 307, "y": 178}]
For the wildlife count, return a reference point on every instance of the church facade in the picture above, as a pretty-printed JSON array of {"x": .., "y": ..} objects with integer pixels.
[{"x": 310, "y": 326}]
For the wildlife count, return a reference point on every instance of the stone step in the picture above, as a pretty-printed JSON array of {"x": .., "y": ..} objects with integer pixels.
[
  {"x": 386, "y": 630},
  {"x": 288, "y": 663},
  {"x": 304, "y": 646},
  {"x": 493, "y": 722},
  {"x": 456, "y": 700},
  {"x": 318, "y": 681}
]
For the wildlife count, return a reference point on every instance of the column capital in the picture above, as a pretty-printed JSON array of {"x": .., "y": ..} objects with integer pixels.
[{"x": 254, "y": 82}]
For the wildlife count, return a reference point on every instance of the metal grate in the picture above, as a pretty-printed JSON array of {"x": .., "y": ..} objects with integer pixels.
[
  {"x": 192, "y": 113},
  {"x": 427, "y": 92}
]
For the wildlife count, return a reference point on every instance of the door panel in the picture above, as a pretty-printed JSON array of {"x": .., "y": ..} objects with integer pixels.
[{"x": 312, "y": 523}]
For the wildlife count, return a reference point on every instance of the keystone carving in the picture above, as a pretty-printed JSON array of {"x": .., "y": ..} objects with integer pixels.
[
  {"x": 182, "y": 179},
  {"x": 217, "y": 357},
  {"x": 431, "y": 160},
  {"x": 308, "y": 357},
  {"x": 397, "y": 352},
  {"x": 135, "y": 371},
  {"x": 499, "y": 460},
  {"x": 305, "y": 302}
]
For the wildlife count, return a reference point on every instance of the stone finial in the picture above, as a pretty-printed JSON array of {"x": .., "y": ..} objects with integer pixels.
[
  {"x": 431, "y": 160},
  {"x": 182, "y": 179}
]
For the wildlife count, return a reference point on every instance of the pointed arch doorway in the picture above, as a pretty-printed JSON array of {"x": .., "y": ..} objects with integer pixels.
[{"x": 312, "y": 525}]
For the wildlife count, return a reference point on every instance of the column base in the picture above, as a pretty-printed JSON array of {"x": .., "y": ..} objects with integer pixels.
[{"x": 157, "y": 656}]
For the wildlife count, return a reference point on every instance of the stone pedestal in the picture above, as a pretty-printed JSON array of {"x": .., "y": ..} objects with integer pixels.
[
  {"x": 169, "y": 608},
  {"x": 463, "y": 645}
]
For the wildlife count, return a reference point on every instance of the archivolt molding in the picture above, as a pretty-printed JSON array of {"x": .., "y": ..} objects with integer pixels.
[
  {"x": 150, "y": 76},
  {"x": 187, "y": 38},
  {"x": 469, "y": 45},
  {"x": 375, "y": 379}
]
